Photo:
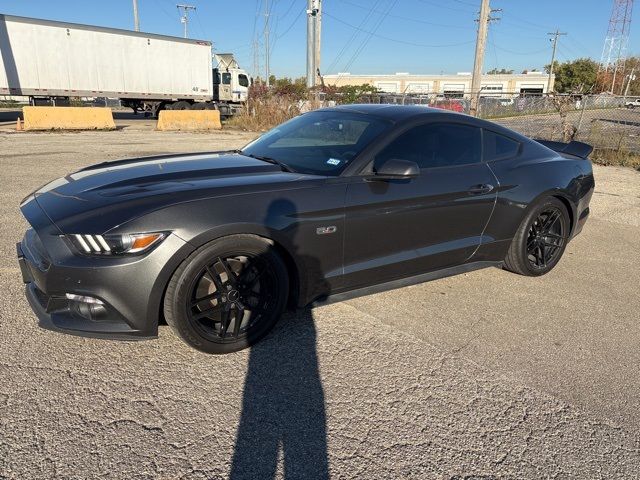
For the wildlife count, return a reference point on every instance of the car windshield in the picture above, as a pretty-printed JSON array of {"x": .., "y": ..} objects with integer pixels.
[{"x": 319, "y": 143}]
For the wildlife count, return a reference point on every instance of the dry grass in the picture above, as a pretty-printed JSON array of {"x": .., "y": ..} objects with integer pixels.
[
  {"x": 267, "y": 108},
  {"x": 264, "y": 113},
  {"x": 616, "y": 158}
]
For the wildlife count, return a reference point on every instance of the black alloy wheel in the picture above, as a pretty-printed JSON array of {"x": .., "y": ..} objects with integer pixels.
[
  {"x": 546, "y": 238},
  {"x": 228, "y": 294},
  {"x": 540, "y": 240}
]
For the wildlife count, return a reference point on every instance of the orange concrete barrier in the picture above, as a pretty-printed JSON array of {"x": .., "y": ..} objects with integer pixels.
[
  {"x": 189, "y": 120},
  {"x": 67, "y": 118}
]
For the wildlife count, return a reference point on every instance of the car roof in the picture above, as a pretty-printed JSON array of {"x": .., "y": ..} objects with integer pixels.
[
  {"x": 400, "y": 113},
  {"x": 392, "y": 112}
]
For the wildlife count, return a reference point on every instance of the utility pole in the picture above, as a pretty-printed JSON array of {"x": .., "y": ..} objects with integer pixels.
[
  {"x": 631, "y": 78},
  {"x": 313, "y": 44},
  {"x": 481, "y": 42},
  {"x": 554, "y": 40},
  {"x": 136, "y": 20},
  {"x": 266, "y": 42},
  {"x": 185, "y": 15},
  {"x": 318, "y": 34},
  {"x": 256, "y": 58}
]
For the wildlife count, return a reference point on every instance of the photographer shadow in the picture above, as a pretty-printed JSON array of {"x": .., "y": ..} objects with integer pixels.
[{"x": 283, "y": 417}]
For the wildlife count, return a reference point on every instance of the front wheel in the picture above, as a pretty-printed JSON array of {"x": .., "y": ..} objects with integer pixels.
[
  {"x": 228, "y": 294},
  {"x": 540, "y": 240}
]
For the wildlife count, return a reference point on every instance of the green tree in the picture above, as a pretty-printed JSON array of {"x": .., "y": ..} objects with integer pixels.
[
  {"x": 631, "y": 76},
  {"x": 502, "y": 71},
  {"x": 352, "y": 93},
  {"x": 574, "y": 76}
]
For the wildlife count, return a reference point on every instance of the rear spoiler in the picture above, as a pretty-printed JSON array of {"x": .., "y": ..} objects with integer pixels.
[{"x": 577, "y": 149}]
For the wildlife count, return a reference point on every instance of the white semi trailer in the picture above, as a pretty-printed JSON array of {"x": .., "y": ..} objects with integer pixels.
[{"x": 50, "y": 61}]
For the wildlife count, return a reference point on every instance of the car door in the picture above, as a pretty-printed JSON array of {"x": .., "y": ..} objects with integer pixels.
[{"x": 402, "y": 227}]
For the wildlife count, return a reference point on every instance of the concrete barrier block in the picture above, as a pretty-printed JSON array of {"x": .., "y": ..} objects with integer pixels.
[
  {"x": 189, "y": 120},
  {"x": 68, "y": 118}
]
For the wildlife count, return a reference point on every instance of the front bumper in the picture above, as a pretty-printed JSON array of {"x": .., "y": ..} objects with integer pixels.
[{"x": 129, "y": 289}]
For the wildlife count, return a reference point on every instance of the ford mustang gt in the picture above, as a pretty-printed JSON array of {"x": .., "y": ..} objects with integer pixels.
[{"x": 335, "y": 203}]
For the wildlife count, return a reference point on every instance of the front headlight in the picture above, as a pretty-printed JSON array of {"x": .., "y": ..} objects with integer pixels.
[{"x": 116, "y": 244}]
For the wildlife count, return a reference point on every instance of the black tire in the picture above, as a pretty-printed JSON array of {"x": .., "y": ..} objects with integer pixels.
[
  {"x": 535, "y": 251},
  {"x": 199, "y": 106},
  {"x": 203, "y": 286},
  {"x": 181, "y": 105}
]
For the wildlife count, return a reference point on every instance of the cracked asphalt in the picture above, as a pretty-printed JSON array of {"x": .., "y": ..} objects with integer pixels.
[{"x": 483, "y": 375}]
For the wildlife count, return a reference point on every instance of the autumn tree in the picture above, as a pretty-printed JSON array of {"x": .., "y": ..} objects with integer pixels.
[{"x": 574, "y": 76}]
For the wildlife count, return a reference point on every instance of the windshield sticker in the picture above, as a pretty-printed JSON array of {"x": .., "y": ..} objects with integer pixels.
[{"x": 333, "y": 161}]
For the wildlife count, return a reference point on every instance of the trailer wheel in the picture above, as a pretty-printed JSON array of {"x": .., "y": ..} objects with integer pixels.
[
  {"x": 181, "y": 105},
  {"x": 199, "y": 106},
  {"x": 210, "y": 106}
]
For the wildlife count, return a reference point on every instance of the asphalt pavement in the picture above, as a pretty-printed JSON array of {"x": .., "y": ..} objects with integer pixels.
[{"x": 483, "y": 375}]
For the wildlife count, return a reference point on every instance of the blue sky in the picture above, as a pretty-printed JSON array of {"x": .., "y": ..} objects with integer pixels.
[{"x": 363, "y": 36}]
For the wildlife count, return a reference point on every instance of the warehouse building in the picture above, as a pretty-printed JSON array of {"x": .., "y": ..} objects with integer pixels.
[{"x": 452, "y": 86}]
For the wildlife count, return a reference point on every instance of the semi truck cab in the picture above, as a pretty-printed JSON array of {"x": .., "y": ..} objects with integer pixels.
[{"x": 230, "y": 89}]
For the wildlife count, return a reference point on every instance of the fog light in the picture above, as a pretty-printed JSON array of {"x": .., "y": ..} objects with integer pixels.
[{"x": 84, "y": 299}]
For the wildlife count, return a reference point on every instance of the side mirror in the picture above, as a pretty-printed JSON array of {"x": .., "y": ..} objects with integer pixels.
[{"x": 396, "y": 168}]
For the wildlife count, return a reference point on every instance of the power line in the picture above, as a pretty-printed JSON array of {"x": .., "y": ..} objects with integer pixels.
[
  {"x": 521, "y": 53},
  {"x": 404, "y": 42},
  {"x": 370, "y": 34},
  {"x": 409, "y": 19},
  {"x": 295, "y": 20},
  {"x": 439, "y": 5},
  {"x": 353, "y": 36}
]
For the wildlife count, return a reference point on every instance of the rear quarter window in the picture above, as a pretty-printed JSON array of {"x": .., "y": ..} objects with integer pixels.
[{"x": 497, "y": 146}]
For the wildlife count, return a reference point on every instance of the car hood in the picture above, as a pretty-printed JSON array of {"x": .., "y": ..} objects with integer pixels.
[{"x": 111, "y": 193}]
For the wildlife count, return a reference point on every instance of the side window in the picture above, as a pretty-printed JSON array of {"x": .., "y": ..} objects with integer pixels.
[
  {"x": 435, "y": 145},
  {"x": 226, "y": 78},
  {"x": 243, "y": 80},
  {"x": 498, "y": 146}
]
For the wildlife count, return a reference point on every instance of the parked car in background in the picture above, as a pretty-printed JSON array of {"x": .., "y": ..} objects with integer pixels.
[
  {"x": 453, "y": 104},
  {"x": 633, "y": 103}
]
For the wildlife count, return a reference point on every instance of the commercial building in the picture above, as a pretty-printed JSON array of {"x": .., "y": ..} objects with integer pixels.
[{"x": 452, "y": 86}]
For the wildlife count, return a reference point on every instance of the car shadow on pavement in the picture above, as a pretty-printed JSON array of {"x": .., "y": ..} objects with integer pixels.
[{"x": 283, "y": 413}]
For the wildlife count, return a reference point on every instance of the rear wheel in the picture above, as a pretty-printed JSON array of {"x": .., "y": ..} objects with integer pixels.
[
  {"x": 540, "y": 240},
  {"x": 181, "y": 105},
  {"x": 228, "y": 294}
]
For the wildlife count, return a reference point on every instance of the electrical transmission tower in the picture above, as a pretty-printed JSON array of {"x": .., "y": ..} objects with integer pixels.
[{"x": 614, "y": 52}]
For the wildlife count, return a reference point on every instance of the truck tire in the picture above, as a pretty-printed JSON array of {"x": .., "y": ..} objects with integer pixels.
[{"x": 181, "y": 105}]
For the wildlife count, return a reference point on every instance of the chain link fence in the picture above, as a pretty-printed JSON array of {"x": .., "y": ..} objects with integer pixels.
[{"x": 609, "y": 123}]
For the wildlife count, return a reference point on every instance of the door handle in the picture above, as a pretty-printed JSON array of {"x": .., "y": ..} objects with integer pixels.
[{"x": 480, "y": 189}]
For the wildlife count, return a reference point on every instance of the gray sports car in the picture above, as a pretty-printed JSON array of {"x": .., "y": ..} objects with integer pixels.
[{"x": 334, "y": 203}]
